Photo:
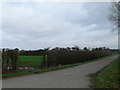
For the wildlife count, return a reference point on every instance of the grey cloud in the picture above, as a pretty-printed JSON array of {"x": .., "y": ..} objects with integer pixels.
[{"x": 40, "y": 25}]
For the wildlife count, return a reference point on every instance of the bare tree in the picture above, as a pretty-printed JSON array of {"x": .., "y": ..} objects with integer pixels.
[{"x": 114, "y": 15}]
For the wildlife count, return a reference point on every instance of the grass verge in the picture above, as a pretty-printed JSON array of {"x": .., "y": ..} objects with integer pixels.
[
  {"x": 107, "y": 77},
  {"x": 21, "y": 73}
]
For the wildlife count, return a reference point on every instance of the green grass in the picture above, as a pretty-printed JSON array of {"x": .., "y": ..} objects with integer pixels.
[
  {"x": 108, "y": 77},
  {"x": 19, "y": 73},
  {"x": 31, "y": 61}
]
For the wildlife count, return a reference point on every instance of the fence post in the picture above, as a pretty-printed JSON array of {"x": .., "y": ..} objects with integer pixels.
[{"x": 46, "y": 61}]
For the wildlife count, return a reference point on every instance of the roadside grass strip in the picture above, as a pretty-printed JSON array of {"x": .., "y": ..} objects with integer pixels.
[{"x": 108, "y": 77}]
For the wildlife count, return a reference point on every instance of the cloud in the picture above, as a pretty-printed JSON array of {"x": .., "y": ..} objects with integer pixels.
[{"x": 40, "y": 25}]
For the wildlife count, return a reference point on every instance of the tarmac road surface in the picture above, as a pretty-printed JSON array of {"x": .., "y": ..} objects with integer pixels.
[{"x": 75, "y": 77}]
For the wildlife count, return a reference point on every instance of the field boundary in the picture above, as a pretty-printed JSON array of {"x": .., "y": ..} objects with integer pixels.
[{"x": 16, "y": 74}]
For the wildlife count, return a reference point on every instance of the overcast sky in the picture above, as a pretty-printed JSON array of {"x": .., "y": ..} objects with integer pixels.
[{"x": 42, "y": 25}]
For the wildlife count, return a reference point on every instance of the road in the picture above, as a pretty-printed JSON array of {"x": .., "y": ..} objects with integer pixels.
[{"x": 75, "y": 77}]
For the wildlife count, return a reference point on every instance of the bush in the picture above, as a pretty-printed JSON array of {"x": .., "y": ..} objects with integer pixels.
[{"x": 63, "y": 57}]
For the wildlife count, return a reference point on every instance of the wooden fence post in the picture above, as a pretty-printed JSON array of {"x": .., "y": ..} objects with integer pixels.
[{"x": 46, "y": 61}]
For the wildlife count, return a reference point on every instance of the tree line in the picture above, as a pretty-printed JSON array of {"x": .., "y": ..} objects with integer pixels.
[{"x": 52, "y": 57}]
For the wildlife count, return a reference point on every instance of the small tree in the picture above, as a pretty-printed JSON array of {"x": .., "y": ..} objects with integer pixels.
[
  {"x": 85, "y": 49},
  {"x": 114, "y": 15},
  {"x": 9, "y": 59}
]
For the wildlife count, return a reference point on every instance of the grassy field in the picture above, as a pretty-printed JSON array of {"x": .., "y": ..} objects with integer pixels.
[
  {"x": 30, "y": 61},
  {"x": 108, "y": 77}
]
